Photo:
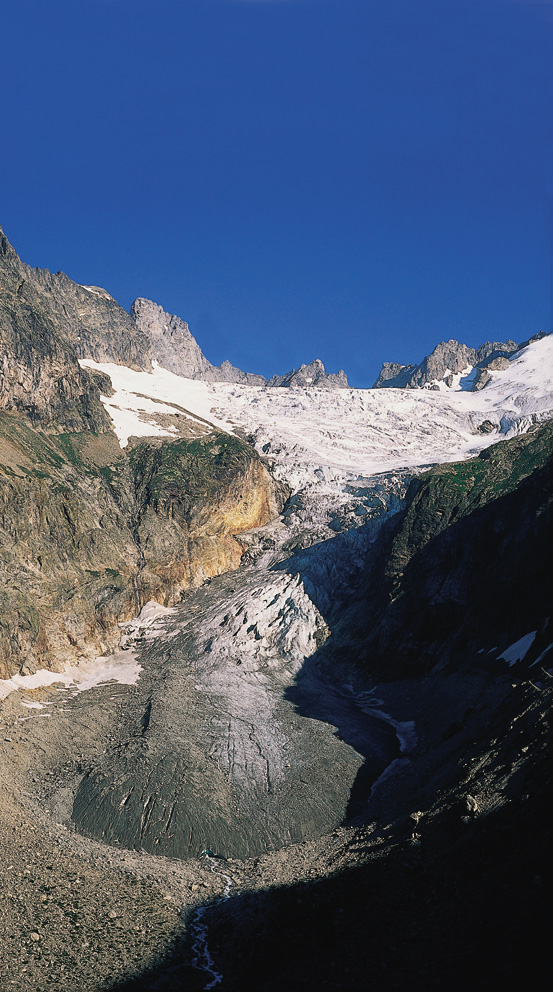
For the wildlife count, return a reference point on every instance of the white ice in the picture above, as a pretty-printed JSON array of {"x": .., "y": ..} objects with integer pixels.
[{"x": 324, "y": 437}]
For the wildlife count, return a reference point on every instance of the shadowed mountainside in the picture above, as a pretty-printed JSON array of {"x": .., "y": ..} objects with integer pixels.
[{"x": 466, "y": 567}]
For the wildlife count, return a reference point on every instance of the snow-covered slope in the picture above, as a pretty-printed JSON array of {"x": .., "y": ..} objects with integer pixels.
[{"x": 313, "y": 435}]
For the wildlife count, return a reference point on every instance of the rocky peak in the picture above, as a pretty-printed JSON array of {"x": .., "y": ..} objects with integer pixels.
[
  {"x": 7, "y": 251},
  {"x": 175, "y": 349},
  {"x": 88, "y": 319},
  {"x": 170, "y": 340},
  {"x": 313, "y": 374},
  {"x": 39, "y": 371},
  {"x": 493, "y": 349},
  {"x": 448, "y": 356},
  {"x": 394, "y": 376},
  {"x": 447, "y": 359}
]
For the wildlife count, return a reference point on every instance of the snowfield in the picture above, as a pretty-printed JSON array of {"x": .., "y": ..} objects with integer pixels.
[{"x": 316, "y": 436}]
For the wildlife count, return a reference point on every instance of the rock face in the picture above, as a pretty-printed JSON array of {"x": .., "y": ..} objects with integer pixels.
[
  {"x": 88, "y": 533},
  {"x": 173, "y": 346},
  {"x": 393, "y": 375},
  {"x": 465, "y": 567},
  {"x": 85, "y": 317},
  {"x": 448, "y": 356},
  {"x": 313, "y": 374},
  {"x": 447, "y": 359},
  {"x": 39, "y": 372},
  {"x": 492, "y": 349}
]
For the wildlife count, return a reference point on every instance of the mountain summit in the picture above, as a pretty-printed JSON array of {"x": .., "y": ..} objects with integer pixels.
[
  {"x": 451, "y": 364},
  {"x": 175, "y": 349},
  {"x": 313, "y": 374}
]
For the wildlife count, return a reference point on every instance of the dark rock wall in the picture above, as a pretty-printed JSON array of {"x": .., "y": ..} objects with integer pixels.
[{"x": 465, "y": 568}]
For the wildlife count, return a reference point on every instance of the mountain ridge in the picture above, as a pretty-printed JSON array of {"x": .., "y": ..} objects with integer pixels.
[
  {"x": 278, "y": 664},
  {"x": 97, "y": 327},
  {"x": 449, "y": 359}
]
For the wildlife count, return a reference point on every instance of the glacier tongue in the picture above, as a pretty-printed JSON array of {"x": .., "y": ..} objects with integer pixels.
[{"x": 242, "y": 736}]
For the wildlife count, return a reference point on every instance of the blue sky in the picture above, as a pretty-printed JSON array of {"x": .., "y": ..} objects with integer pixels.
[{"x": 353, "y": 180}]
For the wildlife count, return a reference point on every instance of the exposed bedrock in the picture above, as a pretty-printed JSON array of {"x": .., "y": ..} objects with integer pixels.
[
  {"x": 88, "y": 533},
  {"x": 86, "y": 320},
  {"x": 39, "y": 372},
  {"x": 175, "y": 349},
  {"x": 215, "y": 756}
]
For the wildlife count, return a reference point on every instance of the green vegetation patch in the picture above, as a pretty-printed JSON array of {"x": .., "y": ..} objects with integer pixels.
[
  {"x": 189, "y": 470},
  {"x": 495, "y": 471}
]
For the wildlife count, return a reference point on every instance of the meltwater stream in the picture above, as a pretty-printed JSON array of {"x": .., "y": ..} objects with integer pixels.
[{"x": 201, "y": 955}]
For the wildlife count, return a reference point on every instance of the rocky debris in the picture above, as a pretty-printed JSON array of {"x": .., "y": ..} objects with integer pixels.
[
  {"x": 444, "y": 916},
  {"x": 174, "y": 348},
  {"x": 486, "y": 427},
  {"x": 310, "y": 375},
  {"x": 71, "y": 917}
]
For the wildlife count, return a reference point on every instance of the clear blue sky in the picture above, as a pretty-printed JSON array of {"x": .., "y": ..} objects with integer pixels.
[{"x": 353, "y": 180}]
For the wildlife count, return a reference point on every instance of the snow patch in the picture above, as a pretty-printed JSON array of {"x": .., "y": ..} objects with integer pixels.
[
  {"x": 153, "y": 392},
  {"x": 121, "y": 667},
  {"x": 518, "y": 650}
]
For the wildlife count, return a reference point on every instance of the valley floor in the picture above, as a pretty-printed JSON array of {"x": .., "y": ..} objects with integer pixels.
[
  {"x": 361, "y": 829},
  {"x": 446, "y": 881}
]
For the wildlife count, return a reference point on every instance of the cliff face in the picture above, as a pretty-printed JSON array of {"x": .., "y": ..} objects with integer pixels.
[
  {"x": 39, "y": 372},
  {"x": 85, "y": 318},
  {"x": 463, "y": 573},
  {"x": 174, "y": 347},
  {"x": 88, "y": 533},
  {"x": 192, "y": 499}
]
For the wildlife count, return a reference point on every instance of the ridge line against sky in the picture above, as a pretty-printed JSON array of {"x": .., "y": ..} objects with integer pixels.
[{"x": 338, "y": 179}]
